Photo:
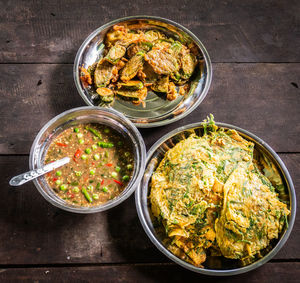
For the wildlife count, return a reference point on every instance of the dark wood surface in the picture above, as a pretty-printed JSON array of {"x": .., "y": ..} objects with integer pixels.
[{"x": 254, "y": 47}]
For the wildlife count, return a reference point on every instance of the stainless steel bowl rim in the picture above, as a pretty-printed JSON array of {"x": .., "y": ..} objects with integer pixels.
[
  {"x": 194, "y": 37},
  {"x": 87, "y": 210},
  {"x": 219, "y": 272}
]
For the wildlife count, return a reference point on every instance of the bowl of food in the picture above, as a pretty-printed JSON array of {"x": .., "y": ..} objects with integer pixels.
[
  {"x": 216, "y": 199},
  {"x": 107, "y": 159},
  {"x": 151, "y": 69}
]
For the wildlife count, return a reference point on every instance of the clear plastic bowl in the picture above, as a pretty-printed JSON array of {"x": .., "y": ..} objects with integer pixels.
[
  {"x": 76, "y": 116},
  {"x": 223, "y": 266}
]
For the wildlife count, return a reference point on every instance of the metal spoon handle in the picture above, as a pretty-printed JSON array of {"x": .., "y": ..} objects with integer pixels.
[{"x": 30, "y": 175}]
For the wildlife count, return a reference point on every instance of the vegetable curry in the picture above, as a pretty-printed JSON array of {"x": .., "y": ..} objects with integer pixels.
[
  {"x": 101, "y": 164},
  {"x": 214, "y": 196}
]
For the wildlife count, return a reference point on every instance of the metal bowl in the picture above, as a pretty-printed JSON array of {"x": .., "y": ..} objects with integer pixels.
[
  {"x": 213, "y": 265},
  {"x": 158, "y": 110},
  {"x": 71, "y": 118}
]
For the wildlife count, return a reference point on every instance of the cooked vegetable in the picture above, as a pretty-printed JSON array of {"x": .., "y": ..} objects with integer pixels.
[
  {"x": 188, "y": 64},
  {"x": 107, "y": 95},
  {"x": 131, "y": 85},
  {"x": 137, "y": 51},
  {"x": 103, "y": 73},
  {"x": 133, "y": 66},
  {"x": 115, "y": 53},
  {"x": 133, "y": 94},
  {"x": 138, "y": 47},
  {"x": 161, "y": 85},
  {"x": 162, "y": 61},
  {"x": 209, "y": 193}
]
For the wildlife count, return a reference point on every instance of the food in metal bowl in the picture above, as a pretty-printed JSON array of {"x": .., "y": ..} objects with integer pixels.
[
  {"x": 215, "y": 195},
  {"x": 138, "y": 59}
]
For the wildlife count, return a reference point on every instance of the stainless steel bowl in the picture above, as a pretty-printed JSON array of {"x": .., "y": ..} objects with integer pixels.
[
  {"x": 222, "y": 266},
  {"x": 76, "y": 116},
  {"x": 158, "y": 111}
]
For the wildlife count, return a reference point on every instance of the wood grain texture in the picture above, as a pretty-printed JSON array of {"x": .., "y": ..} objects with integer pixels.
[
  {"x": 270, "y": 272},
  {"x": 256, "y": 97},
  {"x": 232, "y": 31},
  {"x": 32, "y": 231}
]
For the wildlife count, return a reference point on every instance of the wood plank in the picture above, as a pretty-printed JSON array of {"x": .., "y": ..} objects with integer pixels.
[
  {"x": 232, "y": 31},
  {"x": 256, "y": 97},
  {"x": 34, "y": 232},
  {"x": 270, "y": 272}
]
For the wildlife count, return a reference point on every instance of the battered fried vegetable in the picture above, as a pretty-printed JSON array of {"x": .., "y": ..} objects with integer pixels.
[
  {"x": 103, "y": 73},
  {"x": 115, "y": 53},
  {"x": 153, "y": 35},
  {"x": 147, "y": 74},
  {"x": 162, "y": 62},
  {"x": 137, "y": 51},
  {"x": 188, "y": 64},
  {"x": 132, "y": 94},
  {"x": 138, "y": 47},
  {"x": 207, "y": 192},
  {"x": 252, "y": 215},
  {"x": 161, "y": 85},
  {"x": 85, "y": 77},
  {"x": 133, "y": 66},
  {"x": 106, "y": 94},
  {"x": 131, "y": 85}
]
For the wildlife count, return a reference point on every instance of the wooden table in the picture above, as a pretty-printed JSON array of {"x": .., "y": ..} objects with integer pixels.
[{"x": 254, "y": 47}]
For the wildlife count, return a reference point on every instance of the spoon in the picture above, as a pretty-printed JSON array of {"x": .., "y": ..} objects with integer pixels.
[{"x": 30, "y": 175}]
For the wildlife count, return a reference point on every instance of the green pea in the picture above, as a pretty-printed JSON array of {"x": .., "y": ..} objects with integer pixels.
[
  {"x": 106, "y": 131},
  {"x": 88, "y": 150},
  {"x": 78, "y": 173},
  {"x": 58, "y": 182},
  {"x": 105, "y": 189},
  {"x": 81, "y": 141},
  {"x": 96, "y": 156},
  {"x": 125, "y": 178},
  {"x": 94, "y": 147},
  {"x": 89, "y": 187},
  {"x": 114, "y": 174},
  {"x": 129, "y": 166},
  {"x": 95, "y": 196},
  {"x": 80, "y": 135},
  {"x": 58, "y": 173},
  {"x": 76, "y": 190},
  {"x": 118, "y": 168},
  {"x": 92, "y": 172},
  {"x": 83, "y": 157},
  {"x": 76, "y": 130},
  {"x": 63, "y": 187}
]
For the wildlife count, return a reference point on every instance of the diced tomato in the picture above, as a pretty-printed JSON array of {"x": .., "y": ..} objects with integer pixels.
[
  {"x": 61, "y": 144},
  {"x": 55, "y": 179},
  {"x": 78, "y": 152},
  {"x": 74, "y": 159},
  {"x": 49, "y": 174},
  {"x": 71, "y": 195},
  {"x": 102, "y": 182},
  {"x": 109, "y": 164},
  {"x": 118, "y": 182}
]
